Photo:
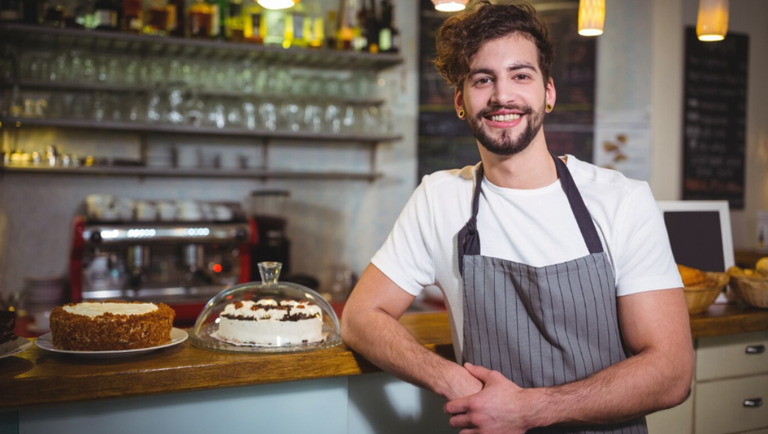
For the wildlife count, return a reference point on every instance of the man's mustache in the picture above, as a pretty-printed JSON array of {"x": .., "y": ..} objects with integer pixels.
[{"x": 526, "y": 110}]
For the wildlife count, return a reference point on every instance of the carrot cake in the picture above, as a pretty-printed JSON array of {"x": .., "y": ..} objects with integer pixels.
[{"x": 111, "y": 325}]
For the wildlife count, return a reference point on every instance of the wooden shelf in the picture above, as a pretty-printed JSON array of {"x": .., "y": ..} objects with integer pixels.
[
  {"x": 172, "y": 172},
  {"x": 143, "y": 127},
  {"x": 26, "y": 36}
]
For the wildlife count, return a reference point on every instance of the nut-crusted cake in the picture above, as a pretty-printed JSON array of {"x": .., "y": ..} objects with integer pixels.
[
  {"x": 271, "y": 323},
  {"x": 111, "y": 325},
  {"x": 7, "y": 324}
]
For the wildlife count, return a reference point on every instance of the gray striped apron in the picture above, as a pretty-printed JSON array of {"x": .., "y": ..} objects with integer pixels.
[{"x": 542, "y": 326}]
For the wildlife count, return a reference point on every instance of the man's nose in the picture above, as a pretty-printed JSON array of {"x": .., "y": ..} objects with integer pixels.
[{"x": 504, "y": 92}]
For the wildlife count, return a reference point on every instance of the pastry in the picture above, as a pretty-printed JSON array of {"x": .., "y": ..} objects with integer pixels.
[{"x": 111, "y": 325}]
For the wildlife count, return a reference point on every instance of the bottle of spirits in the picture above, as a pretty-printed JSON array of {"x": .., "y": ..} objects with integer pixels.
[
  {"x": 235, "y": 22},
  {"x": 11, "y": 10},
  {"x": 156, "y": 17},
  {"x": 252, "y": 22},
  {"x": 273, "y": 30},
  {"x": 132, "y": 14},
  {"x": 54, "y": 15},
  {"x": 389, "y": 36},
  {"x": 316, "y": 33},
  {"x": 296, "y": 26},
  {"x": 348, "y": 28},
  {"x": 330, "y": 30},
  {"x": 105, "y": 15},
  {"x": 361, "y": 38},
  {"x": 200, "y": 19},
  {"x": 176, "y": 18},
  {"x": 84, "y": 17},
  {"x": 372, "y": 29},
  {"x": 218, "y": 17},
  {"x": 33, "y": 11}
]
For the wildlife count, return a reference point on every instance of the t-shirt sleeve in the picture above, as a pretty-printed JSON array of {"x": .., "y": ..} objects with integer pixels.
[
  {"x": 644, "y": 261},
  {"x": 407, "y": 255}
]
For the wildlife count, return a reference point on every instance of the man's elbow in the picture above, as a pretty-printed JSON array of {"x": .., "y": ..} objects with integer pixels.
[{"x": 680, "y": 387}]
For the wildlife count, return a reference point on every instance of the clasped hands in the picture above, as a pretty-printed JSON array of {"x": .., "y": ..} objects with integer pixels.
[{"x": 497, "y": 407}]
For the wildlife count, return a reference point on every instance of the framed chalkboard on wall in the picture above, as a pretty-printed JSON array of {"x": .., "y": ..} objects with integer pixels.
[
  {"x": 445, "y": 141},
  {"x": 714, "y": 118}
]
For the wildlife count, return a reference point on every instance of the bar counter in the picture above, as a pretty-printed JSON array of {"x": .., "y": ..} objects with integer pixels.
[{"x": 36, "y": 377}]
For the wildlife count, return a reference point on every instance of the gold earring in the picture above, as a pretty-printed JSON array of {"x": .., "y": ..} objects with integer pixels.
[
  {"x": 549, "y": 107},
  {"x": 461, "y": 113}
]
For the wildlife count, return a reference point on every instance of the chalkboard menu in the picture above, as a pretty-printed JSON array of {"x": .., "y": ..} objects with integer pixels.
[
  {"x": 714, "y": 118},
  {"x": 445, "y": 141}
]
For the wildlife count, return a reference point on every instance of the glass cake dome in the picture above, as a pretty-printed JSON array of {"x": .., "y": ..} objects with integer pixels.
[{"x": 267, "y": 317}]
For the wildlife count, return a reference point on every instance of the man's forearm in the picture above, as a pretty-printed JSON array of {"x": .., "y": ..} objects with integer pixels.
[
  {"x": 637, "y": 386},
  {"x": 386, "y": 343}
]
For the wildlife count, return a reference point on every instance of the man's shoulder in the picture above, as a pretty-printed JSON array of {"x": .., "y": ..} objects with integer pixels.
[
  {"x": 451, "y": 178},
  {"x": 605, "y": 180}
]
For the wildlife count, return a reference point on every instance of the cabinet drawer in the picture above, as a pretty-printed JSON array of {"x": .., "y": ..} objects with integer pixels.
[
  {"x": 732, "y": 356},
  {"x": 720, "y": 405}
]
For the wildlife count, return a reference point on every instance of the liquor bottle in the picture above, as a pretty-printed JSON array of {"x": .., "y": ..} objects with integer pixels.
[
  {"x": 156, "y": 17},
  {"x": 54, "y": 15},
  {"x": 11, "y": 10},
  {"x": 296, "y": 26},
  {"x": 273, "y": 28},
  {"x": 176, "y": 18},
  {"x": 372, "y": 29},
  {"x": 361, "y": 38},
  {"x": 200, "y": 19},
  {"x": 348, "y": 28},
  {"x": 132, "y": 16},
  {"x": 330, "y": 30},
  {"x": 389, "y": 36},
  {"x": 218, "y": 17},
  {"x": 252, "y": 21},
  {"x": 316, "y": 33},
  {"x": 33, "y": 11},
  {"x": 235, "y": 22},
  {"x": 105, "y": 15},
  {"x": 84, "y": 17}
]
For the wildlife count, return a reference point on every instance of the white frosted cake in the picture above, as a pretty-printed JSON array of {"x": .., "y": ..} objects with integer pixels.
[{"x": 267, "y": 322}]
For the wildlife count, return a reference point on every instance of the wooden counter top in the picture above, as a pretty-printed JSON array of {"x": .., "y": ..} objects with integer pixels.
[{"x": 37, "y": 377}]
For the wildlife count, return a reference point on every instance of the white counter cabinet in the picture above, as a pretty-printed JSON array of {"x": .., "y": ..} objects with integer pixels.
[{"x": 729, "y": 392}]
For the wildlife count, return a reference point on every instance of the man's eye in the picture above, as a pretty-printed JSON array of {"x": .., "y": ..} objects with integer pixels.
[
  {"x": 522, "y": 77},
  {"x": 483, "y": 80}
]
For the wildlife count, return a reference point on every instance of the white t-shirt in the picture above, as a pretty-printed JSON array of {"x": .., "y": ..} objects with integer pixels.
[{"x": 534, "y": 227}]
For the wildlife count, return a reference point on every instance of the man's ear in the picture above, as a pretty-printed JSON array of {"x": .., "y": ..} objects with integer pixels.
[
  {"x": 458, "y": 99},
  {"x": 550, "y": 92}
]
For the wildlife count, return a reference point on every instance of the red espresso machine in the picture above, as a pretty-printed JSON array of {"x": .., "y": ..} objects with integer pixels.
[{"x": 181, "y": 259}]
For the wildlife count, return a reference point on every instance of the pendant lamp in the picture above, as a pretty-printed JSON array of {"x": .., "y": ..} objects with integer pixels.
[
  {"x": 712, "y": 24},
  {"x": 277, "y": 4},
  {"x": 450, "y": 5},
  {"x": 591, "y": 17}
]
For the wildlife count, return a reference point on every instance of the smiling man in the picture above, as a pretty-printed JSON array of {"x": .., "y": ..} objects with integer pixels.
[{"x": 565, "y": 303}]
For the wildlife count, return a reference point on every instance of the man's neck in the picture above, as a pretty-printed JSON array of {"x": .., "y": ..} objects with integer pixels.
[{"x": 529, "y": 169}]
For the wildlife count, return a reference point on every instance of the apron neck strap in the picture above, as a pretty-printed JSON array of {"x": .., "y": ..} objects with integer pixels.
[{"x": 584, "y": 220}]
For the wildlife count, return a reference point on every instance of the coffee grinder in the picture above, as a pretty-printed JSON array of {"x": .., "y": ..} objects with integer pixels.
[{"x": 266, "y": 209}]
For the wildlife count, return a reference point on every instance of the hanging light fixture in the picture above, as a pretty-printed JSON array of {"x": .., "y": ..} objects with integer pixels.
[
  {"x": 591, "y": 17},
  {"x": 277, "y": 4},
  {"x": 712, "y": 24},
  {"x": 450, "y": 5}
]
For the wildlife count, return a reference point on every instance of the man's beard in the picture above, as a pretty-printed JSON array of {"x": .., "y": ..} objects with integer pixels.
[{"x": 506, "y": 145}]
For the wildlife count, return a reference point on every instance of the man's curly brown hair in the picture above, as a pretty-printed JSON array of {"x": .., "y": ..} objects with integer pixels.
[{"x": 461, "y": 36}]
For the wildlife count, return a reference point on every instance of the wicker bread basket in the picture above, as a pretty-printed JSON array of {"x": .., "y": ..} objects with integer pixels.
[
  {"x": 751, "y": 289},
  {"x": 700, "y": 297}
]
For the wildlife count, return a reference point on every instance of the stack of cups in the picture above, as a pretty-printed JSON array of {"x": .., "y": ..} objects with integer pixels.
[{"x": 41, "y": 295}]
